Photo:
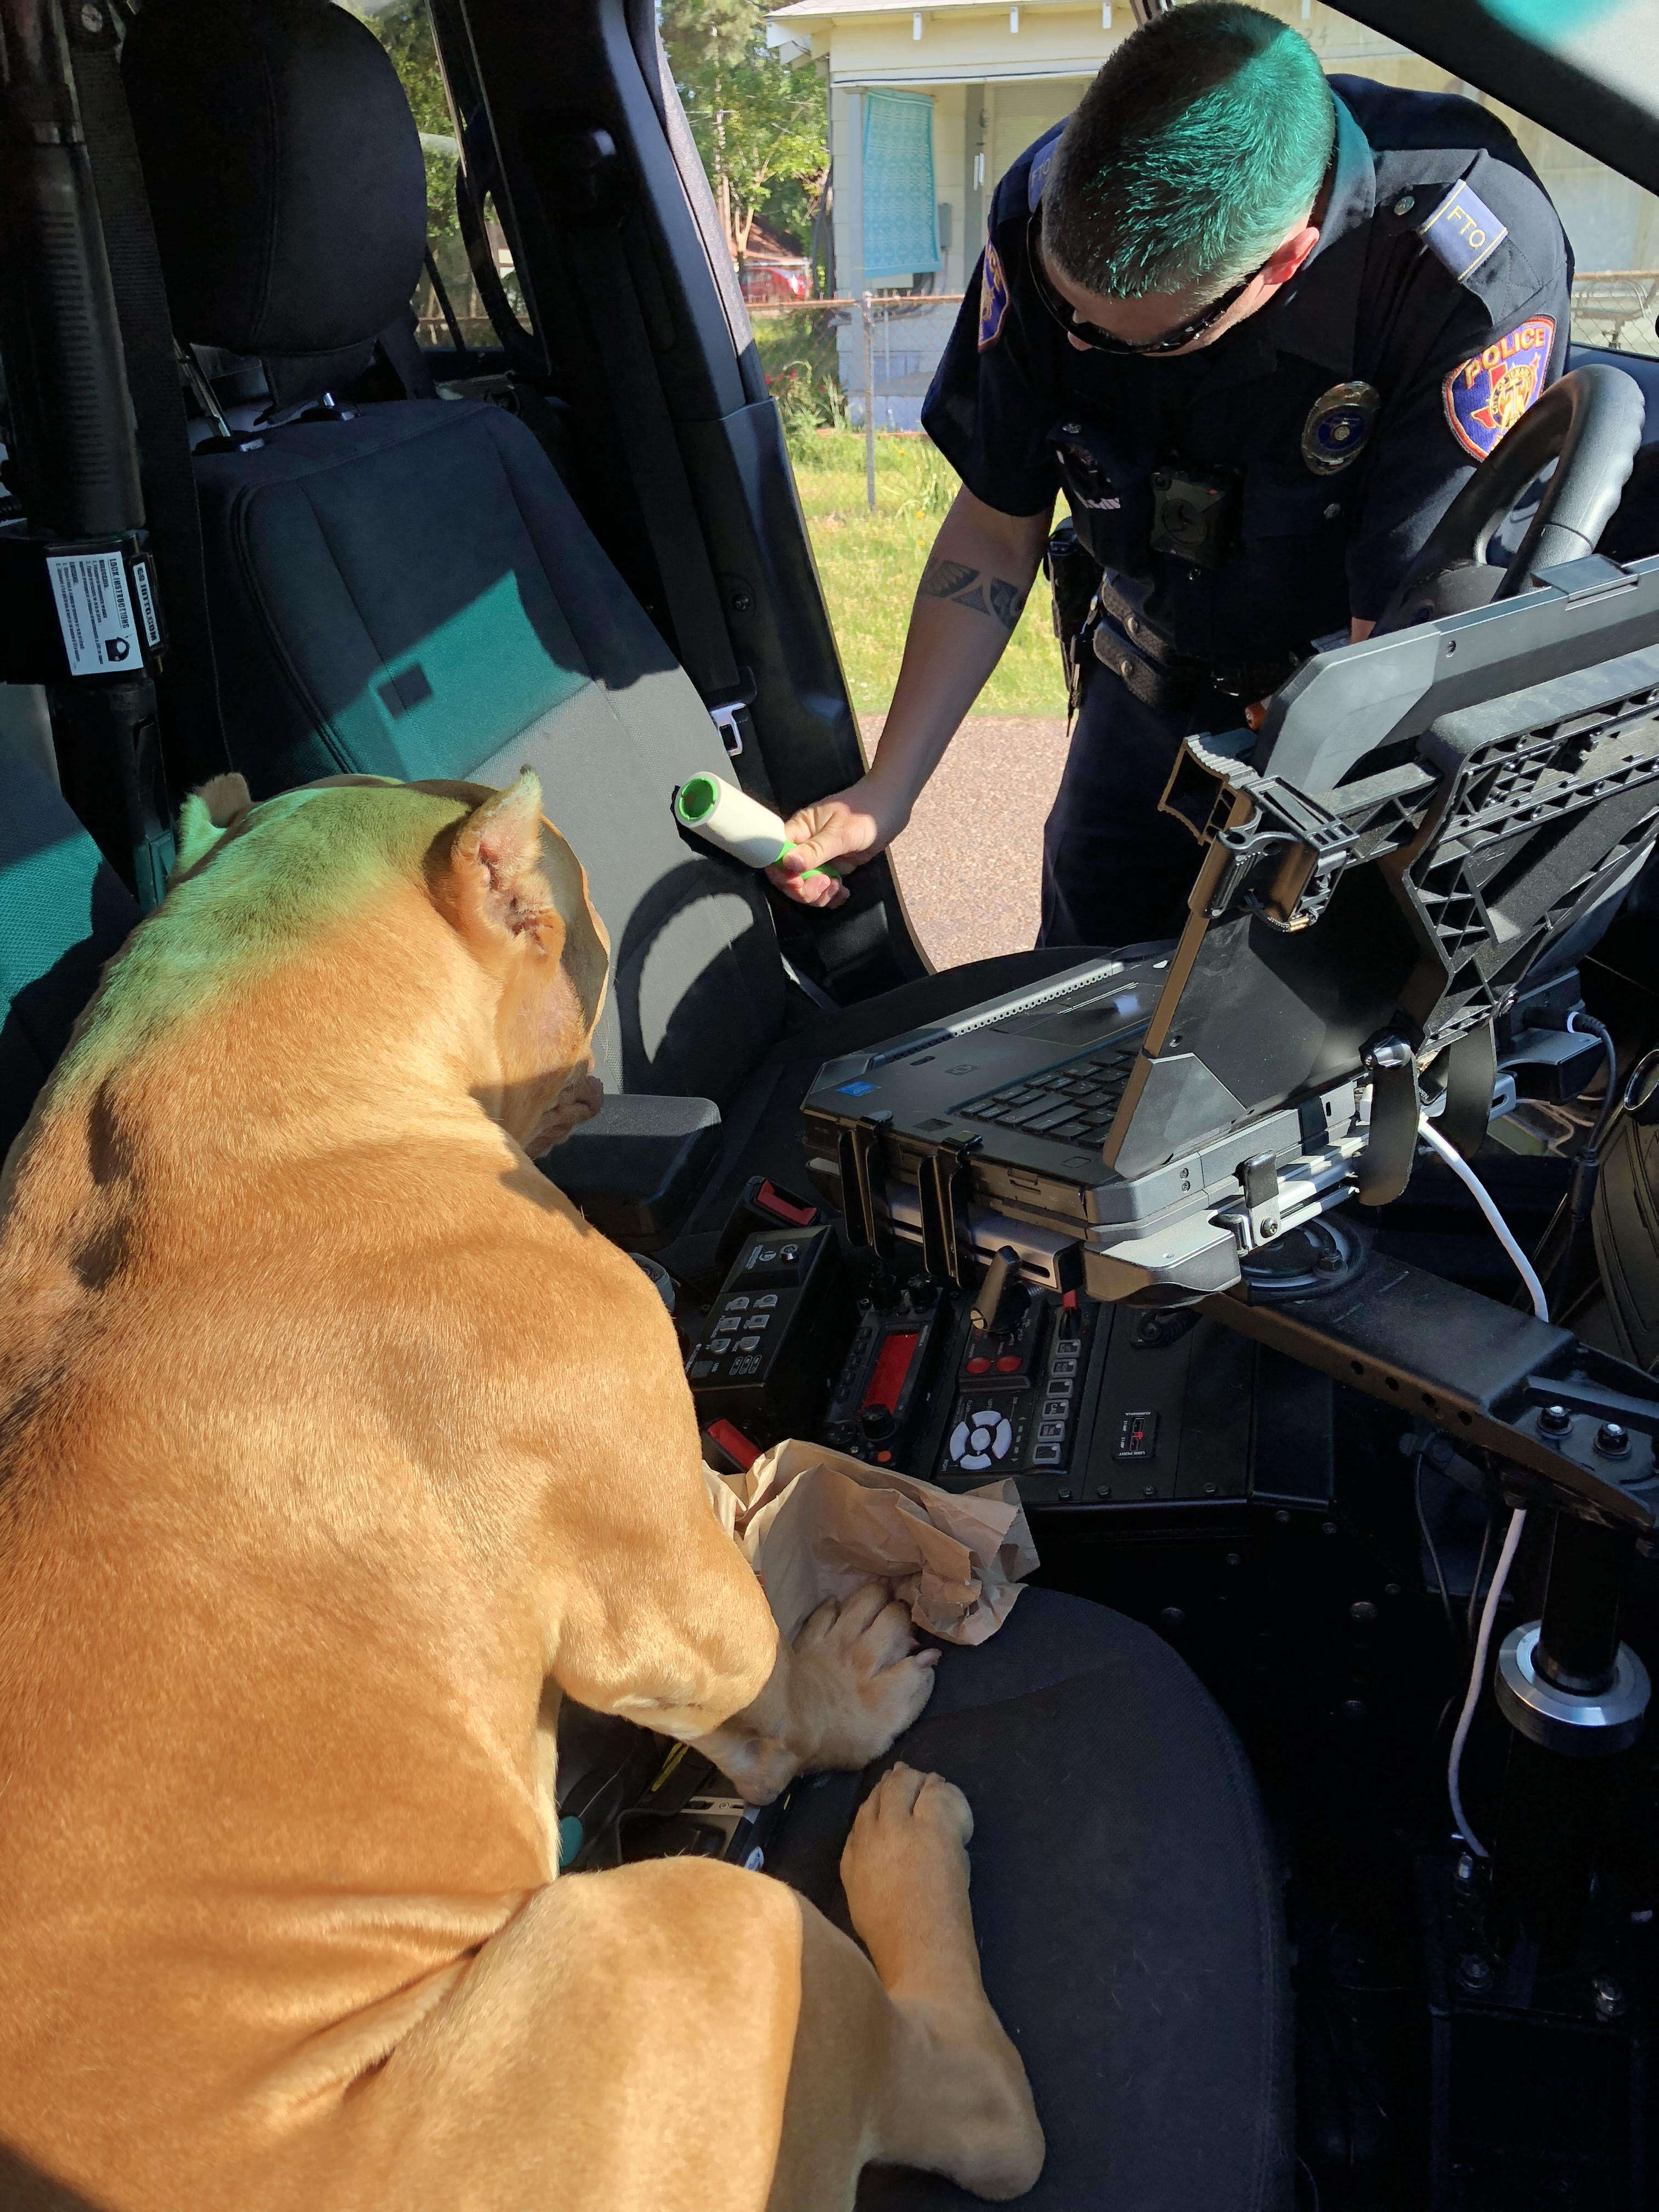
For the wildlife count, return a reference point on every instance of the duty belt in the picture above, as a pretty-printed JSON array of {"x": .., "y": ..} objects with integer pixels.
[{"x": 1169, "y": 681}]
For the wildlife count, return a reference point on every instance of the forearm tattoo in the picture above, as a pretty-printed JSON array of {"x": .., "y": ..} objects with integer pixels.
[{"x": 956, "y": 581}]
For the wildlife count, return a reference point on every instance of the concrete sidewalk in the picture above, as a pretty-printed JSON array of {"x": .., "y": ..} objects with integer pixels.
[{"x": 971, "y": 864}]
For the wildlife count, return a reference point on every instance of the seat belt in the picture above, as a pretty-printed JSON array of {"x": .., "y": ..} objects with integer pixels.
[
  {"x": 188, "y": 679},
  {"x": 657, "y": 466}
]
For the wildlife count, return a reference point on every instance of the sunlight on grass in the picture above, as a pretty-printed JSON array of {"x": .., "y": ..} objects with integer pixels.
[{"x": 870, "y": 565}]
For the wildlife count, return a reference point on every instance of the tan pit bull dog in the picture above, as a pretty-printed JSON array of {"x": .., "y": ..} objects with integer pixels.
[{"x": 334, "y": 1449}]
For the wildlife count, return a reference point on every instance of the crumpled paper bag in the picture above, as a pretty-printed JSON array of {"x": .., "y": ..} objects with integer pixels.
[{"x": 815, "y": 1524}]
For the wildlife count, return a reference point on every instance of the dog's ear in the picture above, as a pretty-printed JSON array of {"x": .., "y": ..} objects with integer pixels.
[
  {"x": 495, "y": 880},
  {"x": 204, "y": 817}
]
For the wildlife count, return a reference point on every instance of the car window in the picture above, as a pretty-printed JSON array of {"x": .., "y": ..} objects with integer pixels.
[
  {"x": 404, "y": 29},
  {"x": 1613, "y": 224}
]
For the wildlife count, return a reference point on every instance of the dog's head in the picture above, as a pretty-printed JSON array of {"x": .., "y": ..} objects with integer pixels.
[{"x": 490, "y": 866}]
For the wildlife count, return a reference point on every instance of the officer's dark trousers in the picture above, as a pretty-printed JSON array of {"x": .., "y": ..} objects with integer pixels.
[
  {"x": 1127, "y": 1908},
  {"x": 1115, "y": 870}
]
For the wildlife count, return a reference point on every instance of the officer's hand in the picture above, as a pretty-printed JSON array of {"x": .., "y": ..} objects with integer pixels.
[{"x": 848, "y": 828}]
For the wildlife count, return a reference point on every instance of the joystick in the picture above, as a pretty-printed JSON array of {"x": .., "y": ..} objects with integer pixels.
[{"x": 1000, "y": 1305}]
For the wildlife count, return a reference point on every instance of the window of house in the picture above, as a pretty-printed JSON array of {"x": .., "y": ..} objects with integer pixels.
[{"x": 901, "y": 206}]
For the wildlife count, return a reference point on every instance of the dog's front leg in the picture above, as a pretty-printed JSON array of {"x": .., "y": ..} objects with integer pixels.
[
  {"x": 652, "y": 1610},
  {"x": 851, "y": 1684}
]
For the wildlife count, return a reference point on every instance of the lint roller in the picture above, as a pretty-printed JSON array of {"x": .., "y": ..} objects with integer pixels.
[{"x": 733, "y": 821}]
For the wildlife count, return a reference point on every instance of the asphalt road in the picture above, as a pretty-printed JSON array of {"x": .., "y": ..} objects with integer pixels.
[{"x": 970, "y": 866}]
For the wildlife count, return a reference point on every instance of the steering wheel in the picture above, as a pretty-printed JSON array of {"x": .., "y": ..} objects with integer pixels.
[{"x": 1589, "y": 423}]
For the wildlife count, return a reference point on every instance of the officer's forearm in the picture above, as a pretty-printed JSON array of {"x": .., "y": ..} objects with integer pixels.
[{"x": 972, "y": 591}]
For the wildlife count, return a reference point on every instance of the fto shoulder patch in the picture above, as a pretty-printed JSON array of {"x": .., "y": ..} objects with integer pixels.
[
  {"x": 1488, "y": 394},
  {"x": 1462, "y": 231},
  {"x": 993, "y": 298}
]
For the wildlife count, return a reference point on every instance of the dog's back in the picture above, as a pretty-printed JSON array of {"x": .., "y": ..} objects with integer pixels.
[{"x": 269, "y": 1670}]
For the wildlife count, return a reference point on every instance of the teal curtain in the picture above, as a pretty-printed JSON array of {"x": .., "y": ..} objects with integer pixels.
[{"x": 901, "y": 210}]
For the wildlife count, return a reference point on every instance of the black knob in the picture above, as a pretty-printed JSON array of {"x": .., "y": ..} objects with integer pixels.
[
  {"x": 1554, "y": 1421},
  {"x": 1613, "y": 1440},
  {"x": 878, "y": 1422}
]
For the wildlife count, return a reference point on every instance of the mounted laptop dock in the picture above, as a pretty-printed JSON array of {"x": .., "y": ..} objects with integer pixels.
[{"x": 1439, "y": 817}]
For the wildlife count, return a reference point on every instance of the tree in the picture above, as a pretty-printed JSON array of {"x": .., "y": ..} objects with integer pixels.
[
  {"x": 404, "y": 29},
  {"x": 759, "y": 125}
]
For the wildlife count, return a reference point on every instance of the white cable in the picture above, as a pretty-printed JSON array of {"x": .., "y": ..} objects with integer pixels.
[
  {"x": 1529, "y": 1274},
  {"x": 1500, "y": 1228},
  {"x": 1477, "y": 1677}
]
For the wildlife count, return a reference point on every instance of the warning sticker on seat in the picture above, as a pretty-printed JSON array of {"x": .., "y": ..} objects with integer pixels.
[{"x": 94, "y": 612}]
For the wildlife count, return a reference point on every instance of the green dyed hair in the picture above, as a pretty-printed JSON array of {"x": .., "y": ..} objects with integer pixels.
[{"x": 1192, "y": 156}]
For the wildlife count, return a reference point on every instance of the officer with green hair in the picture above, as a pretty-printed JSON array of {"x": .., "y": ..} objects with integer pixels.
[{"x": 1258, "y": 326}]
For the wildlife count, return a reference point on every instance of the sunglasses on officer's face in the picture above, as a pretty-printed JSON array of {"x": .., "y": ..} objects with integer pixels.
[{"x": 1100, "y": 341}]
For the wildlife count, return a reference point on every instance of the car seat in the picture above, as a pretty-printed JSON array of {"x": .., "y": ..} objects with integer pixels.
[
  {"x": 63, "y": 911},
  {"x": 408, "y": 589}
]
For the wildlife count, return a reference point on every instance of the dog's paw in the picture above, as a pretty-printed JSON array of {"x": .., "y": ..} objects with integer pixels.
[
  {"x": 578, "y": 1102},
  {"x": 872, "y": 1681}
]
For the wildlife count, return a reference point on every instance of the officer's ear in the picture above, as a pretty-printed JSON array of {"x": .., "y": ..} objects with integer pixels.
[{"x": 1287, "y": 258}]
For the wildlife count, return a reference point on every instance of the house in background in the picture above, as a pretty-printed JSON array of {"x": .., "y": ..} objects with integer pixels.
[{"x": 930, "y": 105}]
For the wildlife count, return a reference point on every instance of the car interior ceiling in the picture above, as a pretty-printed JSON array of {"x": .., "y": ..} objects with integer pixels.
[{"x": 448, "y": 564}]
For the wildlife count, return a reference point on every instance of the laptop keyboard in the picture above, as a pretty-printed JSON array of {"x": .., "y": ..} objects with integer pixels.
[{"x": 1075, "y": 1103}]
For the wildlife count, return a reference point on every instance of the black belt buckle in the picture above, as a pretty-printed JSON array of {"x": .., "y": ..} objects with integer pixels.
[{"x": 1193, "y": 515}]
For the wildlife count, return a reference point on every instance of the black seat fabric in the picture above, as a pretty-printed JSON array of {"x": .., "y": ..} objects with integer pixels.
[
  {"x": 1126, "y": 1901},
  {"x": 63, "y": 912}
]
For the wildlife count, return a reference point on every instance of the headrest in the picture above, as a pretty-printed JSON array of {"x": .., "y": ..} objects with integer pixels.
[{"x": 285, "y": 177}]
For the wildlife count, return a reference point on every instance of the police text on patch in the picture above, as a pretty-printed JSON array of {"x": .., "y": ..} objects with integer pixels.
[{"x": 1488, "y": 393}]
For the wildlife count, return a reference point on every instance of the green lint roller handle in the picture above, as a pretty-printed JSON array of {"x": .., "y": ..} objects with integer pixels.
[{"x": 733, "y": 821}]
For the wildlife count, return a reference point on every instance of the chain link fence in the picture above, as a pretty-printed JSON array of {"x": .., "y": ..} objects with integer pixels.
[
  {"x": 862, "y": 364},
  {"x": 1616, "y": 307}
]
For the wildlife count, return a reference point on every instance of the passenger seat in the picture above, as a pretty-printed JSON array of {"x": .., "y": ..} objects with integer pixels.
[
  {"x": 409, "y": 589},
  {"x": 63, "y": 911}
]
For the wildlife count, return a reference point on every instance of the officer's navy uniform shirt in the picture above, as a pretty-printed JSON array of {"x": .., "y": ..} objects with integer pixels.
[{"x": 1454, "y": 338}]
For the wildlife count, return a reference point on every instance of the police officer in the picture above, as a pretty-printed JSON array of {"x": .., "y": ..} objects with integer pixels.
[{"x": 1259, "y": 327}]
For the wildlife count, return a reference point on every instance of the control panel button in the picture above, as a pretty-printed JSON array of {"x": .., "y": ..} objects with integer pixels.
[
  {"x": 976, "y": 1367},
  {"x": 1051, "y": 1432},
  {"x": 700, "y": 1368},
  {"x": 1067, "y": 1366},
  {"x": 719, "y": 1344},
  {"x": 1009, "y": 1364},
  {"x": 1045, "y": 1455},
  {"x": 1060, "y": 1386},
  {"x": 748, "y": 1344},
  {"x": 758, "y": 1321},
  {"x": 768, "y": 1298},
  {"x": 737, "y": 1305}
]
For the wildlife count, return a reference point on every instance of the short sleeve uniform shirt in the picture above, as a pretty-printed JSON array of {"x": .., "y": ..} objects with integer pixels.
[{"x": 1344, "y": 416}]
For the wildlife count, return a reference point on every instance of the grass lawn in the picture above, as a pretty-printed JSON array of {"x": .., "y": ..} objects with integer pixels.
[{"x": 871, "y": 563}]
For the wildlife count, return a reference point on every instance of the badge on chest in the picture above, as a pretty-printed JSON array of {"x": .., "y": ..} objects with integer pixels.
[{"x": 1339, "y": 425}]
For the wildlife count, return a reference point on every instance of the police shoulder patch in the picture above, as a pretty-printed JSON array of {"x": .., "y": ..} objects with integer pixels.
[
  {"x": 993, "y": 297},
  {"x": 1488, "y": 394},
  {"x": 1462, "y": 231}
]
